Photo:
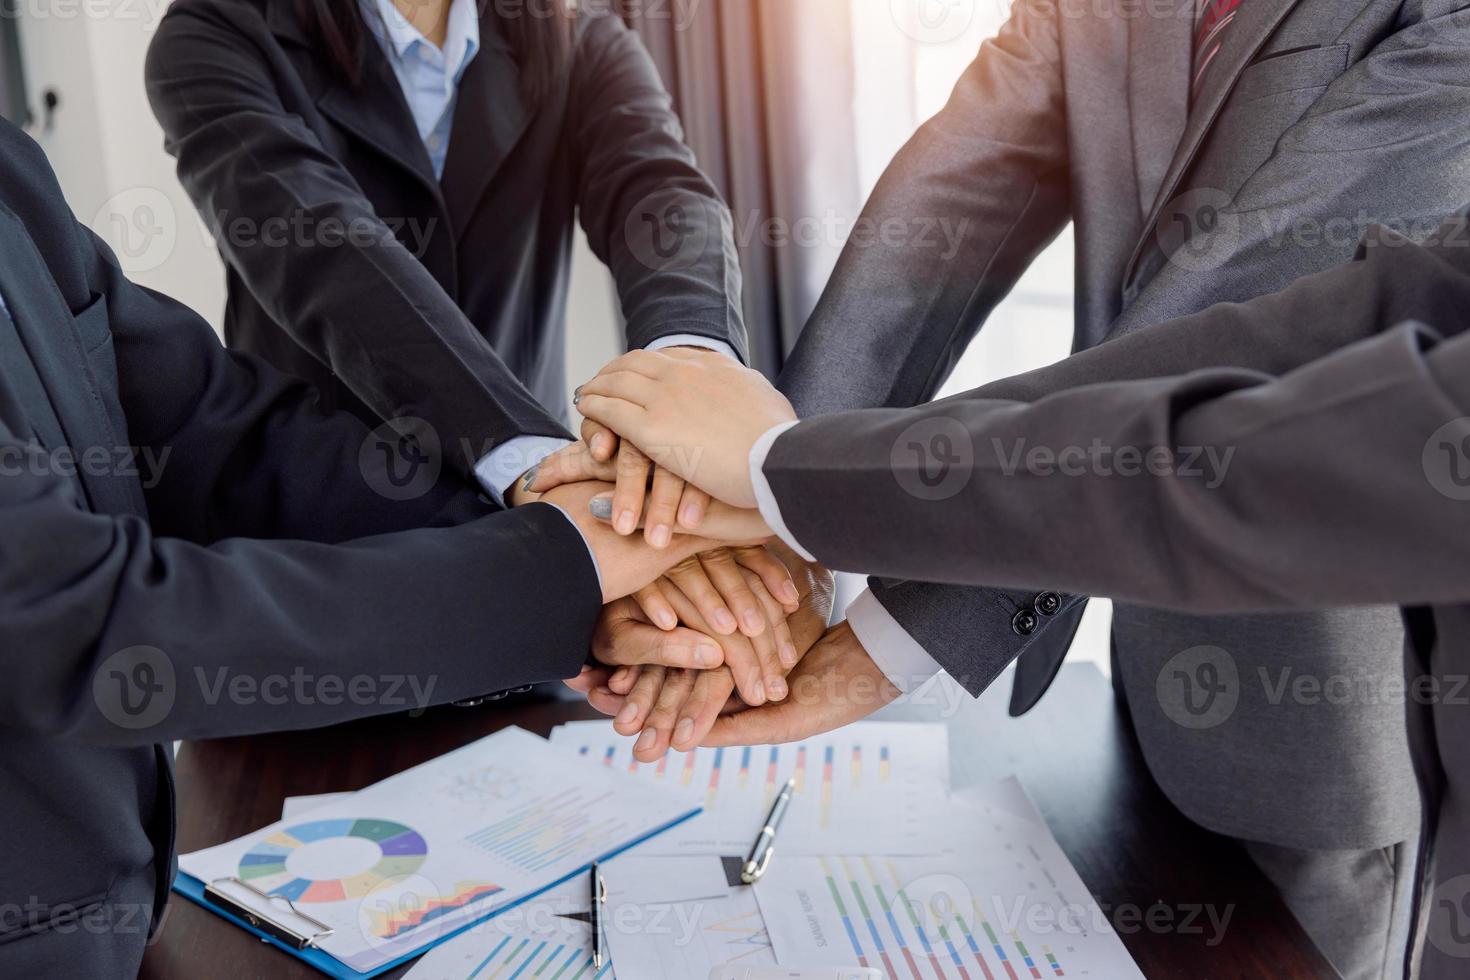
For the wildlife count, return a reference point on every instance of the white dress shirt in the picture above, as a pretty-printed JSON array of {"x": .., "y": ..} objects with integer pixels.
[{"x": 905, "y": 663}]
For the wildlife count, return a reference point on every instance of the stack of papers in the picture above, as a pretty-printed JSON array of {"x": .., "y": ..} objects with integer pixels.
[
  {"x": 418, "y": 857},
  {"x": 878, "y": 864}
]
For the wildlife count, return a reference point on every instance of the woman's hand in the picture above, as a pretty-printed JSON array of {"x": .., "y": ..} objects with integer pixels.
[
  {"x": 698, "y": 415},
  {"x": 644, "y": 494}
]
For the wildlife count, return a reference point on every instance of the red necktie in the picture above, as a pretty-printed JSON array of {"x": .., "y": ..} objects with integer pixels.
[{"x": 1215, "y": 20}]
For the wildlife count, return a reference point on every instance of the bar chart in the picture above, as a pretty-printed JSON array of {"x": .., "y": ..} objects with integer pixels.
[{"x": 870, "y": 788}]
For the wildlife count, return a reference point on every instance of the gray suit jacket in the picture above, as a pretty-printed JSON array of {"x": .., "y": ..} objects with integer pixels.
[
  {"x": 1348, "y": 483},
  {"x": 1317, "y": 117}
]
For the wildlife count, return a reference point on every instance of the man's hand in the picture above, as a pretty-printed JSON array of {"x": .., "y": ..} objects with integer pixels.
[
  {"x": 755, "y": 582},
  {"x": 678, "y": 708},
  {"x": 835, "y": 684},
  {"x": 695, "y": 415}
]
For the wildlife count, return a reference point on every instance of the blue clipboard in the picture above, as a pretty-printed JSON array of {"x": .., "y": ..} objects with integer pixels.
[{"x": 194, "y": 890}]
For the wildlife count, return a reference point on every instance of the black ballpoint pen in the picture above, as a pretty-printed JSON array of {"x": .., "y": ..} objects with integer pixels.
[
  {"x": 599, "y": 895},
  {"x": 765, "y": 841}
]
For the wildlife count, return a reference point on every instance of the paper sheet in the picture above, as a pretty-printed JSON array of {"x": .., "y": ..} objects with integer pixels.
[
  {"x": 680, "y": 917},
  {"x": 870, "y": 788},
  {"x": 1003, "y": 902},
  {"x": 411, "y": 859}
]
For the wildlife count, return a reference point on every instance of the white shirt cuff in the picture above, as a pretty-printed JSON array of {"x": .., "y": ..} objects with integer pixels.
[
  {"x": 507, "y": 462},
  {"x": 590, "y": 553},
  {"x": 765, "y": 500},
  {"x": 694, "y": 340},
  {"x": 905, "y": 663}
]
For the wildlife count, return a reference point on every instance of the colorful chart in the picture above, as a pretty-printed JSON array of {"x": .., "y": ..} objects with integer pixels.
[
  {"x": 870, "y": 788},
  {"x": 395, "y": 921},
  {"x": 401, "y": 852}
]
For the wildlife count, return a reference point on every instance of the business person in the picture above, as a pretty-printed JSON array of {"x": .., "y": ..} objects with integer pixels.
[
  {"x": 192, "y": 549},
  {"x": 1272, "y": 130},
  {"x": 394, "y": 187},
  {"x": 1345, "y": 483}
]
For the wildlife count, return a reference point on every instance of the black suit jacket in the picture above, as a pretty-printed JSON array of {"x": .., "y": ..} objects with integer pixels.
[
  {"x": 266, "y": 546},
  {"x": 448, "y": 301}
]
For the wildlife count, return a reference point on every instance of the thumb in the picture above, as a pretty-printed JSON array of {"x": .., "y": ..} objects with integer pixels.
[
  {"x": 771, "y": 724},
  {"x": 633, "y": 643}
]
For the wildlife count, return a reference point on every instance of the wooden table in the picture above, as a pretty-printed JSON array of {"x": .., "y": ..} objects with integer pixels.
[{"x": 1153, "y": 872}]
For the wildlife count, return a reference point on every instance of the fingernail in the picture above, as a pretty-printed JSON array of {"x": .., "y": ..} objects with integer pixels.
[
  {"x": 620, "y": 675},
  {"x": 661, "y": 536},
  {"x": 776, "y": 689},
  {"x": 577, "y": 395},
  {"x": 601, "y": 508},
  {"x": 724, "y": 620},
  {"x": 646, "y": 740},
  {"x": 684, "y": 731},
  {"x": 789, "y": 592},
  {"x": 754, "y": 621},
  {"x": 602, "y": 445},
  {"x": 627, "y": 522},
  {"x": 759, "y": 693},
  {"x": 706, "y": 655},
  {"x": 690, "y": 516},
  {"x": 628, "y": 715},
  {"x": 788, "y": 654},
  {"x": 531, "y": 476},
  {"x": 667, "y": 620}
]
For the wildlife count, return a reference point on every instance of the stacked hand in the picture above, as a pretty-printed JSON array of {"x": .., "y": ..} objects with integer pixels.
[{"x": 694, "y": 418}]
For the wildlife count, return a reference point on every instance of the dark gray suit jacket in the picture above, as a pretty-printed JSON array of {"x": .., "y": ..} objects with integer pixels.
[
  {"x": 1316, "y": 118},
  {"x": 264, "y": 545},
  {"x": 1348, "y": 483},
  {"x": 448, "y": 303}
]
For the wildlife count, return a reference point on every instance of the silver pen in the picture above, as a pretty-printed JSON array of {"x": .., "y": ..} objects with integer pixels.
[{"x": 765, "y": 842}]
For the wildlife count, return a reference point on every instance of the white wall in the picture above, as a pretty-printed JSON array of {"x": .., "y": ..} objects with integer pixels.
[{"x": 108, "y": 150}]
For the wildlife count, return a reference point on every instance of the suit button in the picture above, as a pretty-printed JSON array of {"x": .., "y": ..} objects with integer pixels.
[
  {"x": 469, "y": 703},
  {"x": 1024, "y": 622},
  {"x": 1048, "y": 603},
  {"x": 523, "y": 690},
  {"x": 497, "y": 696}
]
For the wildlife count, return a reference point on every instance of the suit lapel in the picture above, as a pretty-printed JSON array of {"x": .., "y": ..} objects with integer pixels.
[
  {"x": 1255, "y": 22},
  {"x": 1158, "y": 91},
  {"x": 375, "y": 111},
  {"x": 490, "y": 117}
]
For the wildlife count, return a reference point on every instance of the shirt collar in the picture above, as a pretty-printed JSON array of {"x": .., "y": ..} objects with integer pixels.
[{"x": 461, "y": 40}]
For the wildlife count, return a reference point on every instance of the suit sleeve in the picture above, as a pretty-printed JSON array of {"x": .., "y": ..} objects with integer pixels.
[
  {"x": 1225, "y": 491},
  {"x": 480, "y": 603},
  {"x": 649, "y": 212},
  {"x": 977, "y": 193},
  {"x": 368, "y": 309},
  {"x": 1380, "y": 144},
  {"x": 1391, "y": 280}
]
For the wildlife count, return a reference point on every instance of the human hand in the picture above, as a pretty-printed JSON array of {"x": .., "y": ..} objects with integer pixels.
[
  {"x": 644, "y": 488},
  {"x": 835, "y": 684},
  {"x": 759, "y": 588},
  {"x": 646, "y": 495},
  {"x": 672, "y": 707},
  {"x": 626, "y": 565},
  {"x": 699, "y": 415}
]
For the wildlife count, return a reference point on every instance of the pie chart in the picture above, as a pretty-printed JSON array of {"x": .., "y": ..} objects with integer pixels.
[{"x": 332, "y": 860}]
